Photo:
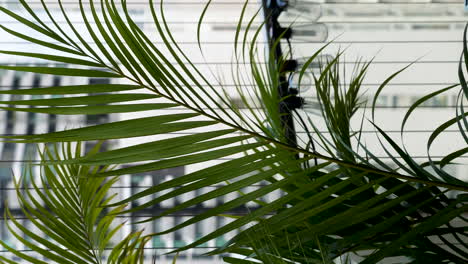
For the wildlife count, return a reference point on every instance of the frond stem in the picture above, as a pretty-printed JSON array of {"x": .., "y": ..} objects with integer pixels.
[{"x": 303, "y": 151}]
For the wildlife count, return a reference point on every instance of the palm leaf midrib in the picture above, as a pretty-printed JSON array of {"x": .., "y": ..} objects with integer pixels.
[
  {"x": 76, "y": 188},
  {"x": 292, "y": 147},
  {"x": 86, "y": 229},
  {"x": 285, "y": 146},
  {"x": 276, "y": 142}
]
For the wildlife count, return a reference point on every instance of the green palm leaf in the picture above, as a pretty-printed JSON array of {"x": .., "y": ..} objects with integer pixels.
[
  {"x": 69, "y": 210},
  {"x": 343, "y": 186}
]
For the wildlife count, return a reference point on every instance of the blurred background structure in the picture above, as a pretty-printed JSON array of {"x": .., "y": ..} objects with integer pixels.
[{"x": 394, "y": 33}]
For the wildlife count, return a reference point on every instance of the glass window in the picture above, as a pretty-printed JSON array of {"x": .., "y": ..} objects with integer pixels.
[
  {"x": 440, "y": 101},
  {"x": 382, "y": 101},
  {"x": 395, "y": 101},
  {"x": 5, "y": 171},
  {"x": 29, "y": 152},
  {"x": 8, "y": 152}
]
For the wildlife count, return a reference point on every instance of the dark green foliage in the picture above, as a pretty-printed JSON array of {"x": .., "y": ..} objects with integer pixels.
[{"x": 338, "y": 204}]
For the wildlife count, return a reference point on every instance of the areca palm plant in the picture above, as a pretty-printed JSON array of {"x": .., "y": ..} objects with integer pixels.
[
  {"x": 341, "y": 201},
  {"x": 70, "y": 211}
]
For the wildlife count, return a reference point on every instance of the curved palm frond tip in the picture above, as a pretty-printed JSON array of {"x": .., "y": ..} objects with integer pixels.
[
  {"x": 66, "y": 210},
  {"x": 343, "y": 204}
]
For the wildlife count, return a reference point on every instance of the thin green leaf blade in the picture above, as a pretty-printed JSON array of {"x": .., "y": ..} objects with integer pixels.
[
  {"x": 63, "y": 71},
  {"x": 74, "y": 89},
  {"x": 93, "y": 110},
  {"x": 83, "y": 100}
]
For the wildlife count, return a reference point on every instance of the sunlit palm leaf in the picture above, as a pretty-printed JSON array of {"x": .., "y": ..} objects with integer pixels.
[
  {"x": 70, "y": 210},
  {"x": 317, "y": 197}
]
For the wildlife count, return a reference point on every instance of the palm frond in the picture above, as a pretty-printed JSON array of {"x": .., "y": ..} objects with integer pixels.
[
  {"x": 342, "y": 204},
  {"x": 70, "y": 210}
]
